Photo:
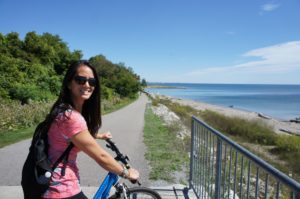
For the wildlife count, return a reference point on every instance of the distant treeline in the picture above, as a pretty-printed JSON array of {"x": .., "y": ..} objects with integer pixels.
[{"x": 33, "y": 68}]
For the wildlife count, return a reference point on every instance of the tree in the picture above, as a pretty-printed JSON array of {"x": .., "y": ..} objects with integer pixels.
[
  {"x": 144, "y": 83},
  {"x": 33, "y": 68},
  {"x": 117, "y": 77},
  {"x": 14, "y": 45}
]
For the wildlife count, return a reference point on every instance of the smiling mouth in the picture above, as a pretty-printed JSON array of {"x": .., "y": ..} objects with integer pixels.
[{"x": 85, "y": 91}]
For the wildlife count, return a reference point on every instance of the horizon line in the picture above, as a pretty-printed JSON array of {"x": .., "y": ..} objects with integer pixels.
[{"x": 295, "y": 84}]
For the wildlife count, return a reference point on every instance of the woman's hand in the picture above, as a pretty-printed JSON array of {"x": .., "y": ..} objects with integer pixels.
[
  {"x": 133, "y": 174},
  {"x": 104, "y": 136}
]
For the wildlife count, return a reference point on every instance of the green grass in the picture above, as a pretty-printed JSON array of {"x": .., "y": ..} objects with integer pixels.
[
  {"x": 242, "y": 129},
  {"x": 15, "y": 136},
  {"x": 165, "y": 152},
  {"x": 111, "y": 106}
]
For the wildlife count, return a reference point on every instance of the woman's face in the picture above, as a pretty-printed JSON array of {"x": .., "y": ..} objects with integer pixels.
[{"x": 82, "y": 85}]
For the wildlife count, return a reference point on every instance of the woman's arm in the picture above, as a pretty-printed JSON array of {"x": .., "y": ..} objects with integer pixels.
[{"x": 85, "y": 142}]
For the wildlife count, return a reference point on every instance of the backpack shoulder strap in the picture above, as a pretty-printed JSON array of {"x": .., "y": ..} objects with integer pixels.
[{"x": 64, "y": 157}]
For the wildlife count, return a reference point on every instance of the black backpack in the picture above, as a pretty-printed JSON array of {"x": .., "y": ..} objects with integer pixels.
[{"x": 37, "y": 170}]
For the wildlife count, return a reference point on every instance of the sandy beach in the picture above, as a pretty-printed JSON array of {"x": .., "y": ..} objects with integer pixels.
[{"x": 280, "y": 127}]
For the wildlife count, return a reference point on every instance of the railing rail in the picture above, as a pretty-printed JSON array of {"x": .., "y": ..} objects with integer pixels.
[{"x": 220, "y": 168}]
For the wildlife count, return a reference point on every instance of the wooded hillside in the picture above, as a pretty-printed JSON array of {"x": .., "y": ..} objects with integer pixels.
[{"x": 33, "y": 68}]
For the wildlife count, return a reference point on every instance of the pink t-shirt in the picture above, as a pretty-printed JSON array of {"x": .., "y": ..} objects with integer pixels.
[{"x": 65, "y": 126}]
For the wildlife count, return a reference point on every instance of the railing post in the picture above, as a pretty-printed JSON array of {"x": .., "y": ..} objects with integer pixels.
[
  {"x": 192, "y": 153},
  {"x": 218, "y": 169},
  {"x": 297, "y": 194}
]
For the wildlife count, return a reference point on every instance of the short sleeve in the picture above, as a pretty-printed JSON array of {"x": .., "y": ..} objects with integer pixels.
[{"x": 73, "y": 123}]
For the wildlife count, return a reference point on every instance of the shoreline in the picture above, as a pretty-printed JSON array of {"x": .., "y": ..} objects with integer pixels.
[
  {"x": 280, "y": 127},
  {"x": 165, "y": 87}
]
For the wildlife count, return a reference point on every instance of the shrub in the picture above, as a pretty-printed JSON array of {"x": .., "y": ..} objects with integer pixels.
[
  {"x": 16, "y": 116},
  {"x": 288, "y": 143},
  {"x": 253, "y": 131},
  {"x": 25, "y": 93}
]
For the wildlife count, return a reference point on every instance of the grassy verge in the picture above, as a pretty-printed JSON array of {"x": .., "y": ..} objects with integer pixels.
[
  {"x": 284, "y": 147},
  {"x": 21, "y": 120},
  {"x": 8, "y": 138},
  {"x": 111, "y": 106},
  {"x": 165, "y": 152}
]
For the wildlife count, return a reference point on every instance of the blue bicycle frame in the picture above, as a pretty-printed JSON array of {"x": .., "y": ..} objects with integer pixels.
[{"x": 110, "y": 180}]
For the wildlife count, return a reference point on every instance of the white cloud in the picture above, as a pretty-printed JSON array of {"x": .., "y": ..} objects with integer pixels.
[
  {"x": 269, "y": 7},
  {"x": 273, "y": 60},
  {"x": 279, "y": 57}
]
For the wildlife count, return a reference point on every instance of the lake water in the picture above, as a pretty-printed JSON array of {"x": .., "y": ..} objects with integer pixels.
[{"x": 278, "y": 101}]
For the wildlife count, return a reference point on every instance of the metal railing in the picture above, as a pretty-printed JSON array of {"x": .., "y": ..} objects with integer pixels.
[{"x": 220, "y": 168}]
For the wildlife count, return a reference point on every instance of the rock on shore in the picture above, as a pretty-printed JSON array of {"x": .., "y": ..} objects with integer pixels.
[{"x": 170, "y": 118}]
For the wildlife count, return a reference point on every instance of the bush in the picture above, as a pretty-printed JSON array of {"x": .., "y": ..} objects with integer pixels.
[
  {"x": 106, "y": 93},
  {"x": 288, "y": 143},
  {"x": 25, "y": 93},
  {"x": 253, "y": 131},
  {"x": 17, "y": 116}
]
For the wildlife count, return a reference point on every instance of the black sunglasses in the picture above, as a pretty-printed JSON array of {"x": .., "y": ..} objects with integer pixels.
[{"x": 82, "y": 80}]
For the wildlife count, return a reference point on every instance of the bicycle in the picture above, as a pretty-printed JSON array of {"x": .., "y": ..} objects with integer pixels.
[{"x": 122, "y": 191}]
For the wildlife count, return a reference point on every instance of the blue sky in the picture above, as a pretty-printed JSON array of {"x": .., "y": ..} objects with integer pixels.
[{"x": 195, "y": 41}]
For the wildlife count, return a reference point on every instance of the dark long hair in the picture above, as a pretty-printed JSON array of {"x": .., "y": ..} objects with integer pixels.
[{"x": 91, "y": 110}]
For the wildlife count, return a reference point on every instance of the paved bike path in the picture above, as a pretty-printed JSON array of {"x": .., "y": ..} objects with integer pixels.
[{"x": 126, "y": 126}]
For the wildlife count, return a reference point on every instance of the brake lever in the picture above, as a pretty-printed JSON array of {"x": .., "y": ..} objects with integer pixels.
[{"x": 135, "y": 181}]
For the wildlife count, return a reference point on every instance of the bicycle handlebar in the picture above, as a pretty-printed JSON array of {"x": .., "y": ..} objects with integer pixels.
[{"x": 120, "y": 157}]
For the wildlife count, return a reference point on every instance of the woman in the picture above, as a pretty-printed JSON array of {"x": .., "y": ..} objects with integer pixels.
[{"x": 76, "y": 117}]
